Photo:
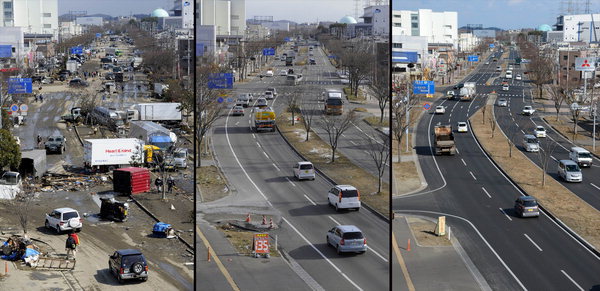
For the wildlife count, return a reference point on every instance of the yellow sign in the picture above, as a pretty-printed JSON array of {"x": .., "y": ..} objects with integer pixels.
[
  {"x": 429, "y": 95},
  {"x": 440, "y": 228}
]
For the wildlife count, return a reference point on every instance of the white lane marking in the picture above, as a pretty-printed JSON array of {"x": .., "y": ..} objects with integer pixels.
[
  {"x": 510, "y": 113},
  {"x": 472, "y": 175},
  {"x": 457, "y": 151},
  {"x": 313, "y": 203},
  {"x": 276, "y": 167},
  {"x": 553, "y": 158},
  {"x": 321, "y": 254},
  {"x": 237, "y": 123},
  {"x": 502, "y": 210},
  {"x": 571, "y": 279},
  {"x": 367, "y": 152},
  {"x": 335, "y": 221},
  {"x": 538, "y": 247},
  {"x": 254, "y": 136},
  {"x": 352, "y": 142},
  {"x": 265, "y": 154},
  {"x": 522, "y": 131},
  {"x": 486, "y": 192},
  {"x": 463, "y": 162},
  {"x": 258, "y": 144},
  {"x": 290, "y": 181},
  {"x": 595, "y": 186},
  {"x": 249, "y": 122}
]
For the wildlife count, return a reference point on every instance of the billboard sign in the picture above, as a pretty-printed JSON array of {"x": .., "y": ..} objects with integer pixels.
[
  {"x": 19, "y": 85},
  {"x": 423, "y": 87},
  {"x": 585, "y": 64},
  {"x": 220, "y": 81},
  {"x": 260, "y": 243},
  {"x": 6, "y": 51}
]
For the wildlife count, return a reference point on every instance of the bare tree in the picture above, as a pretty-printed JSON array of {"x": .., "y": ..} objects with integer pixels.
[
  {"x": 381, "y": 90},
  {"x": 208, "y": 108},
  {"x": 357, "y": 59},
  {"x": 401, "y": 107},
  {"x": 544, "y": 154},
  {"x": 571, "y": 99},
  {"x": 541, "y": 70},
  {"x": 335, "y": 127},
  {"x": 492, "y": 126},
  {"x": 557, "y": 93},
  {"x": 24, "y": 201},
  {"x": 291, "y": 102},
  {"x": 379, "y": 152},
  {"x": 308, "y": 110}
]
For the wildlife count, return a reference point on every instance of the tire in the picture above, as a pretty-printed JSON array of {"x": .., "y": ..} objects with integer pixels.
[
  {"x": 57, "y": 229},
  {"x": 47, "y": 224},
  {"x": 137, "y": 268},
  {"x": 337, "y": 208},
  {"x": 327, "y": 240},
  {"x": 338, "y": 250}
]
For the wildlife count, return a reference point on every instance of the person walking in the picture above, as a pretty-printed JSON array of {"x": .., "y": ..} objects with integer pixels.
[
  {"x": 170, "y": 184},
  {"x": 158, "y": 183},
  {"x": 71, "y": 246}
]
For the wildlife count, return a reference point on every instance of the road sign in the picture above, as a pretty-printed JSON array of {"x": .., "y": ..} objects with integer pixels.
[
  {"x": 23, "y": 107},
  {"x": 5, "y": 51},
  {"x": 268, "y": 52},
  {"x": 423, "y": 87},
  {"x": 229, "y": 100},
  {"x": 76, "y": 50},
  {"x": 473, "y": 58},
  {"x": 427, "y": 106},
  {"x": 98, "y": 35},
  {"x": 260, "y": 243},
  {"x": 19, "y": 85},
  {"x": 220, "y": 81},
  {"x": 286, "y": 39},
  {"x": 492, "y": 45},
  {"x": 220, "y": 99},
  {"x": 14, "y": 108},
  {"x": 585, "y": 64}
]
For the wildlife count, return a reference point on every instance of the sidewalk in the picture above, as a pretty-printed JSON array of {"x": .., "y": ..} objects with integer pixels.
[{"x": 431, "y": 267}]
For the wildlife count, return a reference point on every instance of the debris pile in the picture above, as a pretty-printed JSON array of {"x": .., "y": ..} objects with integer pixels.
[
  {"x": 20, "y": 247},
  {"x": 69, "y": 183}
]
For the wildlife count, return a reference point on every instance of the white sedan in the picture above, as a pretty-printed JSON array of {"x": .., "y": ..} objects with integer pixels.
[
  {"x": 462, "y": 127},
  {"x": 539, "y": 131},
  {"x": 440, "y": 110}
]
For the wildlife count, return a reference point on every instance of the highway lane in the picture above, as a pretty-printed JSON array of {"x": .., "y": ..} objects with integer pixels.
[{"x": 478, "y": 192}]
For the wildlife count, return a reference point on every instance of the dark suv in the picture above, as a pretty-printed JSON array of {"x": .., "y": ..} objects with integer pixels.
[
  {"x": 527, "y": 206},
  {"x": 128, "y": 264}
]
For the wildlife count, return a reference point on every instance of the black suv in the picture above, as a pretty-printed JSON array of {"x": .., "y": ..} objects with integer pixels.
[{"x": 128, "y": 264}]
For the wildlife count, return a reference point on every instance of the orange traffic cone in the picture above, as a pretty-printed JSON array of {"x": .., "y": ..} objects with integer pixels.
[
  {"x": 248, "y": 218},
  {"x": 408, "y": 247},
  {"x": 271, "y": 223},
  {"x": 264, "y": 221}
]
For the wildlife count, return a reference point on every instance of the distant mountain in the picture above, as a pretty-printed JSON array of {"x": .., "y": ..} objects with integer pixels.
[
  {"x": 487, "y": 28},
  {"x": 251, "y": 21},
  {"x": 68, "y": 17}
]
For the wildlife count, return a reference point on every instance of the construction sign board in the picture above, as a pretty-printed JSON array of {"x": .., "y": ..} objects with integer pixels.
[{"x": 260, "y": 243}]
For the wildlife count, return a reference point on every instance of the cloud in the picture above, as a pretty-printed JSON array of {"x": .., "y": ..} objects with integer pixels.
[{"x": 515, "y": 2}]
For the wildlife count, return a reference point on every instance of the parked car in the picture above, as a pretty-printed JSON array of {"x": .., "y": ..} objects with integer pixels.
[
  {"x": 502, "y": 102},
  {"x": 47, "y": 80},
  {"x": 269, "y": 73},
  {"x": 344, "y": 197},
  {"x": 283, "y": 73},
  {"x": 347, "y": 238},
  {"x": 462, "y": 127},
  {"x": 527, "y": 206},
  {"x": 128, "y": 264},
  {"x": 62, "y": 219},
  {"x": 77, "y": 82},
  {"x": 539, "y": 131},
  {"x": 440, "y": 110},
  {"x": 304, "y": 170},
  {"x": 237, "y": 110}
]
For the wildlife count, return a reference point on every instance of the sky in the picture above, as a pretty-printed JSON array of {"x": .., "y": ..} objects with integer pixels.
[
  {"x": 302, "y": 10},
  {"x": 113, "y": 7},
  {"x": 506, "y": 14}
]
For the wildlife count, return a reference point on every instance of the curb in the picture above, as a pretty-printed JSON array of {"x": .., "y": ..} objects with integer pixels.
[
  {"x": 568, "y": 230},
  {"x": 330, "y": 180},
  {"x": 157, "y": 220}
]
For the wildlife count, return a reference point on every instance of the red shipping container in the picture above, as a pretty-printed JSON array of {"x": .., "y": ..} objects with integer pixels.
[{"x": 131, "y": 180}]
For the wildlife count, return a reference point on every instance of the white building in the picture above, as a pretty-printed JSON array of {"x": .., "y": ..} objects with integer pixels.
[
  {"x": 14, "y": 36},
  {"x": 378, "y": 16},
  {"x": 467, "y": 42},
  {"x": 228, "y": 16},
  {"x": 89, "y": 21},
  {"x": 68, "y": 29},
  {"x": 35, "y": 16},
  {"x": 184, "y": 9},
  {"x": 439, "y": 27},
  {"x": 580, "y": 27}
]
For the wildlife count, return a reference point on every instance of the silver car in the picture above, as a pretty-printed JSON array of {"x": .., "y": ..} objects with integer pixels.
[
  {"x": 347, "y": 238},
  {"x": 527, "y": 206},
  {"x": 502, "y": 102}
]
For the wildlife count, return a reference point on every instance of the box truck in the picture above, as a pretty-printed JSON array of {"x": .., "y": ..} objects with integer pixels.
[
  {"x": 155, "y": 112},
  {"x": 108, "y": 154}
]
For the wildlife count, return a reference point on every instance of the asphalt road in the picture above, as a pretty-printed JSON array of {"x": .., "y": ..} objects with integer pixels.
[
  {"x": 259, "y": 168},
  {"x": 511, "y": 253}
]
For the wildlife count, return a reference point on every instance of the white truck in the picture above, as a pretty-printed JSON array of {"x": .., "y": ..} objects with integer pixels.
[
  {"x": 160, "y": 88},
  {"x": 152, "y": 133},
  {"x": 72, "y": 66},
  {"x": 111, "y": 153},
  {"x": 155, "y": 112},
  {"x": 467, "y": 92}
]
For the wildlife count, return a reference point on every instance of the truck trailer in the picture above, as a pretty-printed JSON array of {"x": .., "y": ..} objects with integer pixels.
[
  {"x": 165, "y": 111},
  {"x": 264, "y": 119},
  {"x": 108, "y": 154},
  {"x": 467, "y": 93}
]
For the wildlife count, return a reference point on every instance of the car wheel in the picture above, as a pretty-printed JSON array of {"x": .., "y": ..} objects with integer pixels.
[
  {"x": 47, "y": 224},
  {"x": 339, "y": 251},
  {"x": 57, "y": 229},
  {"x": 337, "y": 208},
  {"x": 137, "y": 268},
  {"x": 327, "y": 240}
]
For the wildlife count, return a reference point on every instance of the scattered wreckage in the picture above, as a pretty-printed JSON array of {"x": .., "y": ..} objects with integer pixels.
[{"x": 22, "y": 248}]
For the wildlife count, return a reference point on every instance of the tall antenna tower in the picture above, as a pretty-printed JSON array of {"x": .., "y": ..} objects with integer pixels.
[
  {"x": 587, "y": 7},
  {"x": 356, "y": 8}
]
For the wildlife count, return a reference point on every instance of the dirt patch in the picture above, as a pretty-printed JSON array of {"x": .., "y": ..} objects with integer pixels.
[
  {"x": 212, "y": 184},
  {"x": 374, "y": 121},
  {"x": 565, "y": 127},
  {"x": 554, "y": 197},
  {"x": 352, "y": 97},
  {"x": 343, "y": 171},
  {"x": 423, "y": 230},
  {"x": 406, "y": 177},
  {"x": 241, "y": 240},
  {"x": 360, "y": 109}
]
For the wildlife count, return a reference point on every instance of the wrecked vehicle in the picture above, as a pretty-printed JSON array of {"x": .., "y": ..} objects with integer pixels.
[
  {"x": 163, "y": 230},
  {"x": 55, "y": 144},
  {"x": 112, "y": 209}
]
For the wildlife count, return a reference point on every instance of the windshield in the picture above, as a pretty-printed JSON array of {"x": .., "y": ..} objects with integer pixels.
[
  {"x": 572, "y": 168},
  {"x": 585, "y": 155},
  {"x": 131, "y": 259},
  {"x": 179, "y": 155},
  {"x": 532, "y": 140},
  {"x": 335, "y": 94},
  {"x": 352, "y": 235},
  {"x": 350, "y": 193},
  {"x": 69, "y": 215},
  {"x": 334, "y": 101},
  {"x": 529, "y": 203},
  {"x": 305, "y": 167}
]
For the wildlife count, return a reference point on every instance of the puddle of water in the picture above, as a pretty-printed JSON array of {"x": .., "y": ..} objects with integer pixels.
[{"x": 175, "y": 275}]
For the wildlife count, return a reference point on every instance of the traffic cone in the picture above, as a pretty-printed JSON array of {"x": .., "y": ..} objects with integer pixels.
[
  {"x": 208, "y": 255},
  {"x": 264, "y": 221},
  {"x": 248, "y": 218},
  {"x": 408, "y": 247},
  {"x": 5, "y": 268},
  {"x": 271, "y": 223}
]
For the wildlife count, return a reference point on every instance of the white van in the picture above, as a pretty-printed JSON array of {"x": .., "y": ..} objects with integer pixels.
[
  {"x": 581, "y": 156},
  {"x": 304, "y": 170},
  {"x": 569, "y": 171},
  {"x": 531, "y": 143},
  {"x": 344, "y": 197}
]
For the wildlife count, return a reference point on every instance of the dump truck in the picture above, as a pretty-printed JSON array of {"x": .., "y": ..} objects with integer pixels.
[
  {"x": 467, "y": 92},
  {"x": 444, "y": 140},
  {"x": 112, "y": 153},
  {"x": 264, "y": 119}
]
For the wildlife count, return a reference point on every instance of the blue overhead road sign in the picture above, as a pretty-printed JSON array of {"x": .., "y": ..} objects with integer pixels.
[
  {"x": 220, "y": 81},
  {"x": 492, "y": 45},
  {"x": 6, "y": 51},
  {"x": 268, "y": 52},
  {"x": 19, "y": 85},
  {"x": 423, "y": 87},
  {"x": 473, "y": 58},
  {"x": 76, "y": 50}
]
